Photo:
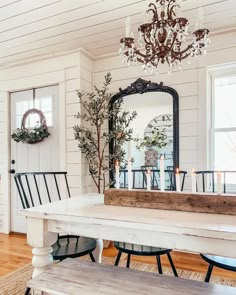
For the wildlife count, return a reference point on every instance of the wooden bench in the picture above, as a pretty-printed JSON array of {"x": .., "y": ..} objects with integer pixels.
[{"x": 74, "y": 277}]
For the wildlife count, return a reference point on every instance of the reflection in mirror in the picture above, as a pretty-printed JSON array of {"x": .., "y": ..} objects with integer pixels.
[
  {"x": 155, "y": 133},
  {"x": 153, "y": 129}
]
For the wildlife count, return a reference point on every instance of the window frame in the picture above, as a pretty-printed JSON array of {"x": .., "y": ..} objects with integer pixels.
[{"x": 219, "y": 73}]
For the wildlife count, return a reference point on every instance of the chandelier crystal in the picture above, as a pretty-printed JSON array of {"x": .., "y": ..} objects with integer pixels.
[{"x": 163, "y": 36}]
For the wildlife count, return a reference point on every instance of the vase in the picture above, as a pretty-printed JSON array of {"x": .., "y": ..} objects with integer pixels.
[{"x": 151, "y": 158}]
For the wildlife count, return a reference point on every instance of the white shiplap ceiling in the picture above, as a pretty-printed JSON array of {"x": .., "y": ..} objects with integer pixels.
[{"x": 36, "y": 28}]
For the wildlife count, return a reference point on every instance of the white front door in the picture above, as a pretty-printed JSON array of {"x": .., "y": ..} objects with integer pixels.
[{"x": 39, "y": 157}]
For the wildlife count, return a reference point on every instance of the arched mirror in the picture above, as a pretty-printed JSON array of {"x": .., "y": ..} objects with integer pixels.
[{"x": 156, "y": 127}]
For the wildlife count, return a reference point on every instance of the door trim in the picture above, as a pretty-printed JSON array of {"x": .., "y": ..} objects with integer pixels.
[{"x": 59, "y": 79}]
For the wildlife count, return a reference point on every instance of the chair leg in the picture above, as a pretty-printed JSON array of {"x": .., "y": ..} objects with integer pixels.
[
  {"x": 92, "y": 257},
  {"x": 172, "y": 265},
  {"x": 118, "y": 258},
  {"x": 159, "y": 264},
  {"x": 208, "y": 275},
  {"x": 27, "y": 291},
  {"x": 128, "y": 261}
]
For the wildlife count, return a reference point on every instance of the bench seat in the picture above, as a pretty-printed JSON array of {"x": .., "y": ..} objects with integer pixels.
[{"x": 74, "y": 277}]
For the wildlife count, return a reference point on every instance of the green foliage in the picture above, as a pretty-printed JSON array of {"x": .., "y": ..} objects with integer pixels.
[
  {"x": 30, "y": 136},
  {"x": 158, "y": 140},
  {"x": 93, "y": 135}
]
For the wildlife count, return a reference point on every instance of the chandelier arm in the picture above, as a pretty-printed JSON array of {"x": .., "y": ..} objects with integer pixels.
[
  {"x": 186, "y": 49},
  {"x": 182, "y": 57},
  {"x": 153, "y": 10},
  {"x": 140, "y": 53},
  {"x": 170, "y": 10},
  {"x": 140, "y": 60},
  {"x": 179, "y": 55},
  {"x": 150, "y": 59},
  {"x": 157, "y": 44},
  {"x": 144, "y": 59},
  {"x": 173, "y": 42},
  {"x": 186, "y": 55},
  {"x": 155, "y": 25},
  {"x": 150, "y": 56},
  {"x": 148, "y": 42},
  {"x": 154, "y": 64}
]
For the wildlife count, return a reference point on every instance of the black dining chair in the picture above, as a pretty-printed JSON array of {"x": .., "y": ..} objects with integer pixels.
[
  {"x": 206, "y": 182},
  {"x": 140, "y": 250},
  {"x": 140, "y": 180},
  {"x": 38, "y": 188}
]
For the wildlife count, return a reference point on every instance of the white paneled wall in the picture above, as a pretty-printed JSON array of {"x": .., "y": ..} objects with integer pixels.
[
  {"x": 73, "y": 156},
  {"x": 192, "y": 89},
  {"x": 70, "y": 72},
  {"x": 76, "y": 165}
]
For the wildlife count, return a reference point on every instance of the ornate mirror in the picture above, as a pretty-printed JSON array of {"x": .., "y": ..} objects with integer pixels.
[{"x": 156, "y": 127}]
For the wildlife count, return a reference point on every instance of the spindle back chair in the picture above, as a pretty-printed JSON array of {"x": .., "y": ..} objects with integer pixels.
[
  {"x": 207, "y": 182},
  {"x": 39, "y": 188}
]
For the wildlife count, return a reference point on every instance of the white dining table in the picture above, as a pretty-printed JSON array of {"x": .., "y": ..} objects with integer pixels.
[{"x": 87, "y": 216}]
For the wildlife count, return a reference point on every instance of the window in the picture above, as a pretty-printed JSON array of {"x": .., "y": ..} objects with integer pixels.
[
  {"x": 43, "y": 103},
  {"x": 223, "y": 148}
]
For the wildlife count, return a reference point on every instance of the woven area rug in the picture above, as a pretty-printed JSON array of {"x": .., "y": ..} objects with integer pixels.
[{"x": 14, "y": 283}]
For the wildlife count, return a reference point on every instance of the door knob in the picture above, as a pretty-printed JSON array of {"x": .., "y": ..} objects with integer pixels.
[{"x": 12, "y": 171}]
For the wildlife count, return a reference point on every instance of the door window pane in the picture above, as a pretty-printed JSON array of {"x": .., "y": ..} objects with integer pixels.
[{"x": 45, "y": 104}]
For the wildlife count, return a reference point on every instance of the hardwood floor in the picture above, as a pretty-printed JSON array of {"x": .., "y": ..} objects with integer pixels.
[{"x": 15, "y": 253}]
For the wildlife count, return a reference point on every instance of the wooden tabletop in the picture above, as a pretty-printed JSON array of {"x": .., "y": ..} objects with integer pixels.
[{"x": 197, "y": 232}]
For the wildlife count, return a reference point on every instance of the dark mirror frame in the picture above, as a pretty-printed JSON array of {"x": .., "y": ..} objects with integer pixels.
[{"x": 141, "y": 86}]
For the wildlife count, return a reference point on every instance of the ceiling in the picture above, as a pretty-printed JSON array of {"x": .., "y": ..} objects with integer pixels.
[{"x": 35, "y": 28}]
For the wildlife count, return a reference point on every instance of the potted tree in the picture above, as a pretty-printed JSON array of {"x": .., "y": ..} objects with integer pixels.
[{"x": 93, "y": 135}]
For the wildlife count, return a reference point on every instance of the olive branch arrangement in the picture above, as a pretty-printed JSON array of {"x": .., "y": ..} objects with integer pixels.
[
  {"x": 93, "y": 135},
  {"x": 157, "y": 139}
]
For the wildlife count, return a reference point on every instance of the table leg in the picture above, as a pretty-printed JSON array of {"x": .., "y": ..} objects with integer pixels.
[
  {"x": 98, "y": 251},
  {"x": 41, "y": 260},
  {"x": 41, "y": 240}
]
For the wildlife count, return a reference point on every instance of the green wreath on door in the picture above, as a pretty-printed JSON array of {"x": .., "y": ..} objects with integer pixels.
[{"x": 31, "y": 135}]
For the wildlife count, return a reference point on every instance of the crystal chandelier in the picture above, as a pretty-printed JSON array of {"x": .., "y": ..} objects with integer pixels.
[{"x": 162, "y": 38}]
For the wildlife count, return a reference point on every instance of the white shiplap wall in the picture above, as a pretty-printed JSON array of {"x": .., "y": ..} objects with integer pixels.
[
  {"x": 71, "y": 72},
  {"x": 192, "y": 89},
  {"x": 74, "y": 156}
]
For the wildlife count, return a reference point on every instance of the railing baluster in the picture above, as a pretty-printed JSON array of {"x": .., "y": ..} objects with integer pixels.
[
  {"x": 68, "y": 190},
  {"x": 203, "y": 182},
  {"x": 124, "y": 178},
  {"x": 18, "y": 188},
  {"x": 183, "y": 180},
  {"x": 59, "y": 196},
  {"x": 31, "y": 198},
  {"x": 133, "y": 178},
  {"x": 224, "y": 182},
  {"x": 213, "y": 182},
  {"x": 49, "y": 198},
  {"x": 23, "y": 191},
  {"x": 36, "y": 185}
]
